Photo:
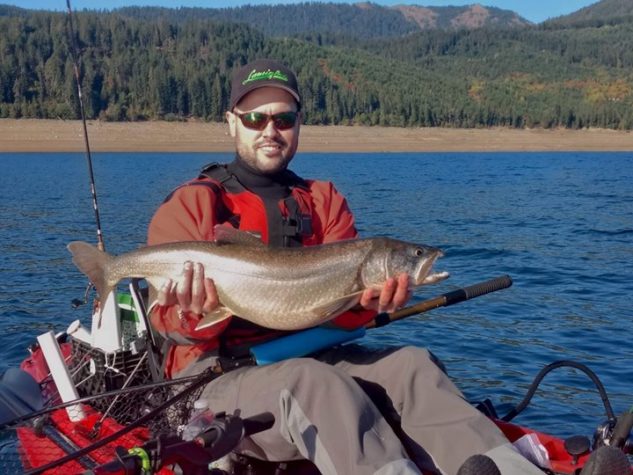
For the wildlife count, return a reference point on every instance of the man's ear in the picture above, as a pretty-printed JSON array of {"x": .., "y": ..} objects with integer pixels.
[{"x": 231, "y": 118}]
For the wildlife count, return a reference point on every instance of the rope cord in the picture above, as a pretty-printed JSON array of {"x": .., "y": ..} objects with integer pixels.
[{"x": 547, "y": 369}]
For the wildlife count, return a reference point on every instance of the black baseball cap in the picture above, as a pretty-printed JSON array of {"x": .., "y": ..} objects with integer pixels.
[{"x": 263, "y": 73}]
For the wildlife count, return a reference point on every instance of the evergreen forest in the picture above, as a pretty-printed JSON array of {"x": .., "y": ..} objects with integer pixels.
[{"x": 175, "y": 64}]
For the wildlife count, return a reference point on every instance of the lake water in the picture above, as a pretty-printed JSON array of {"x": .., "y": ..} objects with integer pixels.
[{"x": 560, "y": 224}]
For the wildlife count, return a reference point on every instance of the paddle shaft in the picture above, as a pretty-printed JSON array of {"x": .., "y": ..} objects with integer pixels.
[{"x": 444, "y": 300}]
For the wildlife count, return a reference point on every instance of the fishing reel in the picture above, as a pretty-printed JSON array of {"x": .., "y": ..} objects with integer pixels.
[{"x": 615, "y": 432}]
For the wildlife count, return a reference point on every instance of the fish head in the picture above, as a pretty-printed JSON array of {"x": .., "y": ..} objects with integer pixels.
[{"x": 391, "y": 257}]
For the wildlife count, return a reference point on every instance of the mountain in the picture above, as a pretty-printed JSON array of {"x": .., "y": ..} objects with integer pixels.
[
  {"x": 360, "y": 20},
  {"x": 149, "y": 63},
  {"x": 467, "y": 17},
  {"x": 9, "y": 10},
  {"x": 597, "y": 14}
]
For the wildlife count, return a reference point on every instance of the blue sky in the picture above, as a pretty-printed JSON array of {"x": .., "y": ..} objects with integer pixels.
[{"x": 533, "y": 10}]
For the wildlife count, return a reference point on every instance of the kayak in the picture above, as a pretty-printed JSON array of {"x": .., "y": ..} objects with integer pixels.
[
  {"x": 76, "y": 407},
  {"x": 63, "y": 438}
]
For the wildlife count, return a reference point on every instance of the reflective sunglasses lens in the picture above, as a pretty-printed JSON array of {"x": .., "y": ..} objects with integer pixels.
[
  {"x": 254, "y": 120},
  {"x": 285, "y": 120}
]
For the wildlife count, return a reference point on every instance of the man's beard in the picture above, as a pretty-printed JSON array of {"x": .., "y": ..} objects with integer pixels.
[{"x": 256, "y": 160}]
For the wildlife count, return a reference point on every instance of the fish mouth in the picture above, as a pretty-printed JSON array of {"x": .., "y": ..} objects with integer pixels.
[{"x": 424, "y": 275}]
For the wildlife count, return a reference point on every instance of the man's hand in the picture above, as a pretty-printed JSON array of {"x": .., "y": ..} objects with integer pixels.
[
  {"x": 393, "y": 295},
  {"x": 192, "y": 292}
]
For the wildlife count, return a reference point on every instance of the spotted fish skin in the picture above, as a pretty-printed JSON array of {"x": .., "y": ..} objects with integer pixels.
[{"x": 278, "y": 288}]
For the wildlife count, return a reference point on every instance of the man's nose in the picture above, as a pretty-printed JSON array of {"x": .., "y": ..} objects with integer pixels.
[{"x": 270, "y": 130}]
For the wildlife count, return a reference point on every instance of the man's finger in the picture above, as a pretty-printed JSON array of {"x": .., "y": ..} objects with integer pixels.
[
  {"x": 386, "y": 295},
  {"x": 198, "y": 294},
  {"x": 368, "y": 296},
  {"x": 183, "y": 288},
  {"x": 402, "y": 293},
  {"x": 165, "y": 296},
  {"x": 212, "y": 300}
]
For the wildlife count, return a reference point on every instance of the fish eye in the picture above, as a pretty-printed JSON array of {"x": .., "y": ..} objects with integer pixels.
[{"x": 419, "y": 252}]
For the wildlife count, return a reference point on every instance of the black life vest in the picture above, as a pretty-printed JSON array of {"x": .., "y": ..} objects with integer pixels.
[{"x": 283, "y": 231}]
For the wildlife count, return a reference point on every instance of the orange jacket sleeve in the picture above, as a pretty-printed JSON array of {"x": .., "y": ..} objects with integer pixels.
[
  {"x": 188, "y": 214},
  {"x": 338, "y": 221}
]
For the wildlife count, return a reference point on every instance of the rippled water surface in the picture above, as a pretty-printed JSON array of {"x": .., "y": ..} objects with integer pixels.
[{"x": 561, "y": 225}]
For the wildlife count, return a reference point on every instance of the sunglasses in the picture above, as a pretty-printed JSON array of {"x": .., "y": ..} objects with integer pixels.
[{"x": 259, "y": 120}]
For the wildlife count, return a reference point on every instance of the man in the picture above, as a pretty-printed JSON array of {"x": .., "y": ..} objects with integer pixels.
[{"x": 326, "y": 409}]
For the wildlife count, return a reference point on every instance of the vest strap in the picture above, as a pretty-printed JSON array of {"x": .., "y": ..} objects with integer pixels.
[{"x": 288, "y": 231}]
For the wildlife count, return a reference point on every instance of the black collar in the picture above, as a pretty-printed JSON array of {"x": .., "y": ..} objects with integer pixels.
[{"x": 275, "y": 186}]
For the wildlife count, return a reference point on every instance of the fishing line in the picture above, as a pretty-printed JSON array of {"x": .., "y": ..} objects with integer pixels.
[
  {"x": 201, "y": 379},
  {"x": 91, "y": 399}
]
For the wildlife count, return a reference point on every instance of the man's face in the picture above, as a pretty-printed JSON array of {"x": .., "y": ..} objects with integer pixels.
[{"x": 270, "y": 150}]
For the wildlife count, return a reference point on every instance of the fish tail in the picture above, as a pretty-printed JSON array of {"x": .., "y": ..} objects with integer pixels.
[{"x": 94, "y": 263}]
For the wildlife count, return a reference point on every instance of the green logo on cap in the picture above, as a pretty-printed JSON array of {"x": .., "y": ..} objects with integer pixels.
[{"x": 267, "y": 75}]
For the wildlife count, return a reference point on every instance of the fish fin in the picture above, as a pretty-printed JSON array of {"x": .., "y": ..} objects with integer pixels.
[
  {"x": 228, "y": 235},
  {"x": 152, "y": 306},
  {"x": 216, "y": 316},
  {"x": 336, "y": 307},
  {"x": 156, "y": 282},
  {"x": 93, "y": 263}
]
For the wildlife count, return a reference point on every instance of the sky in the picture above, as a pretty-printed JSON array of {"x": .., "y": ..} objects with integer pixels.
[{"x": 534, "y": 10}]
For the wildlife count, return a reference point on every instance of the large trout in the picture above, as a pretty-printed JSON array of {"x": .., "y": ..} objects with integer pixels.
[{"x": 279, "y": 288}]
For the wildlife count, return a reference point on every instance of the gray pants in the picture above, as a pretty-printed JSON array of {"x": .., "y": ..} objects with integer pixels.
[{"x": 335, "y": 410}]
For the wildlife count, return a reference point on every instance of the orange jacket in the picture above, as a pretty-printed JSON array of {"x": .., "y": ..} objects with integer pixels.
[{"x": 190, "y": 214}]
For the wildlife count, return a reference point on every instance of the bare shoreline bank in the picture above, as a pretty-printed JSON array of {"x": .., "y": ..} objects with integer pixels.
[{"x": 33, "y": 135}]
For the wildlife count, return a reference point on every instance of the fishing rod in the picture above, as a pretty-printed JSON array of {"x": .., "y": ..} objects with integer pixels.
[
  {"x": 320, "y": 338},
  {"x": 74, "y": 53},
  {"x": 444, "y": 300}
]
